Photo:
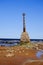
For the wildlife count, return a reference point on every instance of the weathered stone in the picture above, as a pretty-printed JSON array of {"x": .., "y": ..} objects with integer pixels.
[{"x": 24, "y": 37}]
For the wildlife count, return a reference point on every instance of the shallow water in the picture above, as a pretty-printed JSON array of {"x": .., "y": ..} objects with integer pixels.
[
  {"x": 39, "y": 53},
  {"x": 5, "y": 44}
]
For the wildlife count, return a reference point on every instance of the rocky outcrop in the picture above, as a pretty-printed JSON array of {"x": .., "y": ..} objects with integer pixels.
[{"x": 24, "y": 37}]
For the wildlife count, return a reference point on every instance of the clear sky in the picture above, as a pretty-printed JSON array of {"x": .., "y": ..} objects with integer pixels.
[{"x": 11, "y": 18}]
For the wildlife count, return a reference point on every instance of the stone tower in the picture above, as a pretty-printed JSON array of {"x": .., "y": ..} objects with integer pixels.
[{"x": 24, "y": 36}]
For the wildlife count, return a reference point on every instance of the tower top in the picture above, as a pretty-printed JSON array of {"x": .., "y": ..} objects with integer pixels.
[{"x": 23, "y": 14}]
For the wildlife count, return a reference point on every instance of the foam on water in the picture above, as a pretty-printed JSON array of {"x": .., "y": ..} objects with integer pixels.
[{"x": 6, "y": 44}]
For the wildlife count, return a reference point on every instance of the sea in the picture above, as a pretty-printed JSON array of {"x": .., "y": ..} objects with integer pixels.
[{"x": 13, "y": 42}]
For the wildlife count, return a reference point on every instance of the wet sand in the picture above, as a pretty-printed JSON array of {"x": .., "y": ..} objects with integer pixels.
[{"x": 19, "y": 55}]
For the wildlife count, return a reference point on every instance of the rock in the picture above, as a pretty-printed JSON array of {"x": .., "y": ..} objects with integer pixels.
[{"x": 25, "y": 37}]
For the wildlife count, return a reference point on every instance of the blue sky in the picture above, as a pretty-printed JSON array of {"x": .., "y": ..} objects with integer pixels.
[{"x": 11, "y": 18}]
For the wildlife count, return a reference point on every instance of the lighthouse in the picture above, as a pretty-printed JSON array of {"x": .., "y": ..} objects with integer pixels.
[{"x": 24, "y": 36}]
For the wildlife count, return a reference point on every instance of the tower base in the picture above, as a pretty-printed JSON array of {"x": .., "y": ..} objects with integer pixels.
[{"x": 25, "y": 38}]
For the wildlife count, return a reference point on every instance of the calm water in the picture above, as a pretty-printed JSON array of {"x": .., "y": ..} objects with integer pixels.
[{"x": 39, "y": 53}]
